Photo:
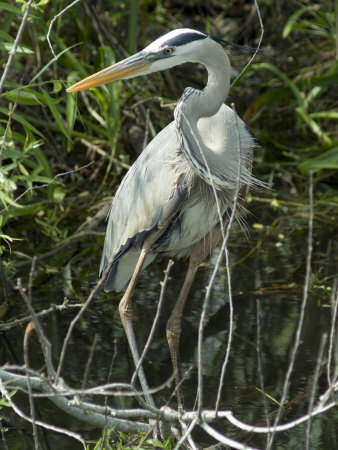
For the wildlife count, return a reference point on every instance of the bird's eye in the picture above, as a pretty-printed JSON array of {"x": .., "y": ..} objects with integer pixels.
[{"x": 168, "y": 50}]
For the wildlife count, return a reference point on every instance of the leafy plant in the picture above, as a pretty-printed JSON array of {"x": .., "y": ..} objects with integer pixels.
[{"x": 303, "y": 92}]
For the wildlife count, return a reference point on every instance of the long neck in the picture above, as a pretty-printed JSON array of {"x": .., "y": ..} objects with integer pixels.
[
  {"x": 206, "y": 103},
  {"x": 194, "y": 105}
]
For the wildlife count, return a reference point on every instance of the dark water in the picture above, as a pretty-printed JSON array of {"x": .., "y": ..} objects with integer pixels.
[{"x": 268, "y": 272}]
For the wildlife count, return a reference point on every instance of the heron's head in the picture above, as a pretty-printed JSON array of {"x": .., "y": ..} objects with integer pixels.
[{"x": 174, "y": 48}]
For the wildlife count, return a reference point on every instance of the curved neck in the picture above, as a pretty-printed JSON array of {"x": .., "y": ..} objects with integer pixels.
[
  {"x": 194, "y": 105},
  {"x": 211, "y": 98}
]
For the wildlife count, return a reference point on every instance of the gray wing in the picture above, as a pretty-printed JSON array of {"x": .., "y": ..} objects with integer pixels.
[{"x": 150, "y": 192}]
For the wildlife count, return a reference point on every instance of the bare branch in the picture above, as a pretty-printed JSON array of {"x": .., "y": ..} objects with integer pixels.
[
  {"x": 224, "y": 439},
  {"x": 88, "y": 363},
  {"x": 44, "y": 342},
  {"x": 258, "y": 45},
  {"x": 38, "y": 422},
  {"x": 30, "y": 327},
  {"x": 296, "y": 343},
  {"x": 227, "y": 262},
  {"x": 56, "y": 18},
  {"x": 80, "y": 411},
  {"x": 17, "y": 40},
  {"x": 334, "y": 303},
  {"x": 314, "y": 388},
  {"x": 101, "y": 152},
  {"x": 72, "y": 325},
  {"x": 155, "y": 321},
  {"x": 186, "y": 434},
  {"x": 259, "y": 360},
  {"x": 65, "y": 305}
]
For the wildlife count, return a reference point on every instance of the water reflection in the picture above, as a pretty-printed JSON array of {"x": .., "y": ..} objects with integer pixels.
[{"x": 267, "y": 278}]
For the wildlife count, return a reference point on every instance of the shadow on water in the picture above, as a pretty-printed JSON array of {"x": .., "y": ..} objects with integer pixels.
[{"x": 268, "y": 270}]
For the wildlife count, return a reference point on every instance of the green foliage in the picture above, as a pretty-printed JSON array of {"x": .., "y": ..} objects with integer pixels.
[
  {"x": 39, "y": 122},
  {"x": 112, "y": 440},
  {"x": 5, "y": 403},
  {"x": 304, "y": 93}
]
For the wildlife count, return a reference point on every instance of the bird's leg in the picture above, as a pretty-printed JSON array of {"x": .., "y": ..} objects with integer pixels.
[
  {"x": 174, "y": 329},
  {"x": 198, "y": 254},
  {"x": 126, "y": 305},
  {"x": 126, "y": 314}
]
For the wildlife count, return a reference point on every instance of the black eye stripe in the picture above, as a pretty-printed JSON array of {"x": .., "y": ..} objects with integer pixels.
[{"x": 185, "y": 38}]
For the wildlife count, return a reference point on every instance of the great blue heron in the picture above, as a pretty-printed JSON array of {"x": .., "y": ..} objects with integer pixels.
[{"x": 173, "y": 199}]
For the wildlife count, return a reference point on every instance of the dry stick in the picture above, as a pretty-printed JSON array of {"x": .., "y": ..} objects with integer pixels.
[
  {"x": 72, "y": 325},
  {"x": 47, "y": 390},
  {"x": 98, "y": 416},
  {"x": 258, "y": 45},
  {"x": 186, "y": 435},
  {"x": 92, "y": 111},
  {"x": 4, "y": 136},
  {"x": 224, "y": 439},
  {"x": 110, "y": 373},
  {"x": 314, "y": 388},
  {"x": 333, "y": 347},
  {"x": 98, "y": 149},
  {"x": 88, "y": 363},
  {"x": 259, "y": 360},
  {"x": 30, "y": 327},
  {"x": 155, "y": 321},
  {"x": 225, "y": 249},
  {"x": 21, "y": 414},
  {"x": 44, "y": 342},
  {"x": 4, "y": 278},
  {"x": 52, "y": 23},
  {"x": 53, "y": 308},
  {"x": 15, "y": 45},
  {"x": 296, "y": 343},
  {"x": 334, "y": 304},
  {"x": 207, "y": 415}
]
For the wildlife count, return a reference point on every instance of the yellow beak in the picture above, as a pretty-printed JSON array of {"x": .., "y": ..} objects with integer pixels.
[{"x": 128, "y": 68}]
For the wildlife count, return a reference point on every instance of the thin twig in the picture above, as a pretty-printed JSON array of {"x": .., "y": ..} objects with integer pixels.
[
  {"x": 16, "y": 43},
  {"x": 259, "y": 360},
  {"x": 92, "y": 111},
  {"x": 314, "y": 388},
  {"x": 187, "y": 433},
  {"x": 80, "y": 411},
  {"x": 44, "y": 342},
  {"x": 168, "y": 415},
  {"x": 110, "y": 373},
  {"x": 72, "y": 325},
  {"x": 52, "y": 23},
  {"x": 88, "y": 364},
  {"x": 296, "y": 343},
  {"x": 53, "y": 308},
  {"x": 224, "y": 439},
  {"x": 258, "y": 45},
  {"x": 7, "y": 129},
  {"x": 334, "y": 304},
  {"x": 227, "y": 261},
  {"x": 30, "y": 327},
  {"x": 101, "y": 152},
  {"x": 155, "y": 321},
  {"x": 18, "y": 411}
]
